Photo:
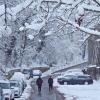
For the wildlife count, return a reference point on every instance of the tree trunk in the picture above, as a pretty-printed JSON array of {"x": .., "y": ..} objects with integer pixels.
[{"x": 92, "y": 50}]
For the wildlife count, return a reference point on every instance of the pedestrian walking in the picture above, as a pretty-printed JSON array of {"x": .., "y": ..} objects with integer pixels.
[
  {"x": 39, "y": 82},
  {"x": 50, "y": 82}
]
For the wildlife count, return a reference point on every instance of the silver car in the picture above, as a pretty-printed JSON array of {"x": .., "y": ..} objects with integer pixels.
[
  {"x": 17, "y": 87},
  {"x": 7, "y": 92}
]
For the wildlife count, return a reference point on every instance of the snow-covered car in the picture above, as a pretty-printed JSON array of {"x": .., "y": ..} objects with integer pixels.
[
  {"x": 7, "y": 92},
  {"x": 17, "y": 87},
  {"x": 19, "y": 77},
  {"x": 75, "y": 79},
  {"x": 74, "y": 72},
  {"x": 37, "y": 73}
]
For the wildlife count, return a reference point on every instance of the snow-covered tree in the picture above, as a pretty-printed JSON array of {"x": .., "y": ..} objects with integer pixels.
[{"x": 47, "y": 31}]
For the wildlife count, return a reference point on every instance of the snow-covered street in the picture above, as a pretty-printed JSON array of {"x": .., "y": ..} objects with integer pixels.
[
  {"x": 55, "y": 41},
  {"x": 45, "y": 94}
]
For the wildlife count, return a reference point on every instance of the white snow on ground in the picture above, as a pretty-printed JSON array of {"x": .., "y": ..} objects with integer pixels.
[
  {"x": 79, "y": 92},
  {"x": 46, "y": 73}
]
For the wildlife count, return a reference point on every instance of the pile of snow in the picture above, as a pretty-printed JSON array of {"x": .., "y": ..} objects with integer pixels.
[
  {"x": 27, "y": 93},
  {"x": 18, "y": 76}
]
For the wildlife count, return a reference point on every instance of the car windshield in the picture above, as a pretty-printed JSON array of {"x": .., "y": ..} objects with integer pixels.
[
  {"x": 36, "y": 71},
  {"x": 25, "y": 71},
  {"x": 83, "y": 76},
  {"x": 69, "y": 76},
  {"x": 14, "y": 84},
  {"x": 5, "y": 85}
]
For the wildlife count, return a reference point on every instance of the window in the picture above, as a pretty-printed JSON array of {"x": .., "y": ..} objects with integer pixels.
[{"x": 5, "y": 85}]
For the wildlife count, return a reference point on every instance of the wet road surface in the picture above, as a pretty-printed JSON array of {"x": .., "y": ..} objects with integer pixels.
[{"x": 45, "y": 94}]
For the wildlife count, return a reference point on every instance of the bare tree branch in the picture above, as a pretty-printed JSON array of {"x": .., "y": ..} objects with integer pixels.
[{"x": 96, "y": 2}]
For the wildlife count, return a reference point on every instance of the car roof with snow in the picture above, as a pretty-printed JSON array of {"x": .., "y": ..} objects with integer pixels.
[
  {"x": 18, "y": 76},
  {"x": 36, "y": 71},
  {"x": 4, "y": 81}
]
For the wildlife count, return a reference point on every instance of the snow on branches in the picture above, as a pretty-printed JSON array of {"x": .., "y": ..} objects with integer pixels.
[{"x": 79, "y": 16}]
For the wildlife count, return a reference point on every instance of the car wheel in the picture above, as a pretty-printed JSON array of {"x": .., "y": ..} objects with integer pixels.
[
  {"x": 86, "y": 83},
  {"x": 61, "y": 83},
  {"x": 65, "y": 83},
  {"x": 12, "y": 99}
]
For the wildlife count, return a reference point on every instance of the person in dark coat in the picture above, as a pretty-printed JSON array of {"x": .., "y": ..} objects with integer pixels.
[
  {"x": 39, "y": 82},
  {"x": 50, "y": 82}
]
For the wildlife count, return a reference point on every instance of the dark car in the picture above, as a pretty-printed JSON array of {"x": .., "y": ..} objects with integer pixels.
[
  {"x": 28, "y": 72},
  {"x": 75, "y": 79}
]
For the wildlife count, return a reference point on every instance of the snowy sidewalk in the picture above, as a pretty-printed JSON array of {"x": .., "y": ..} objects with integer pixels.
[{"x": 80, "y": 92}]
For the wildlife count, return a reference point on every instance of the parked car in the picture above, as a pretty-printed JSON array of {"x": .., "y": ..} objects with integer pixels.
[
  {"x": 19, "y": 77},
  {"x": 73, "y": 72},
  {"x": 28, "y": 73},
  {"x": 1, "y": 93},
  {"x": 37, "y": 73},
  {"x": 75, "y": 79},
  {"x": 7, "y": 92},
  {"x": 17, "y": 87}
]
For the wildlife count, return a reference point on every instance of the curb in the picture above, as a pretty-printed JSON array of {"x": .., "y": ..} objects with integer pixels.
[{"x": 59, "y": 96}]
